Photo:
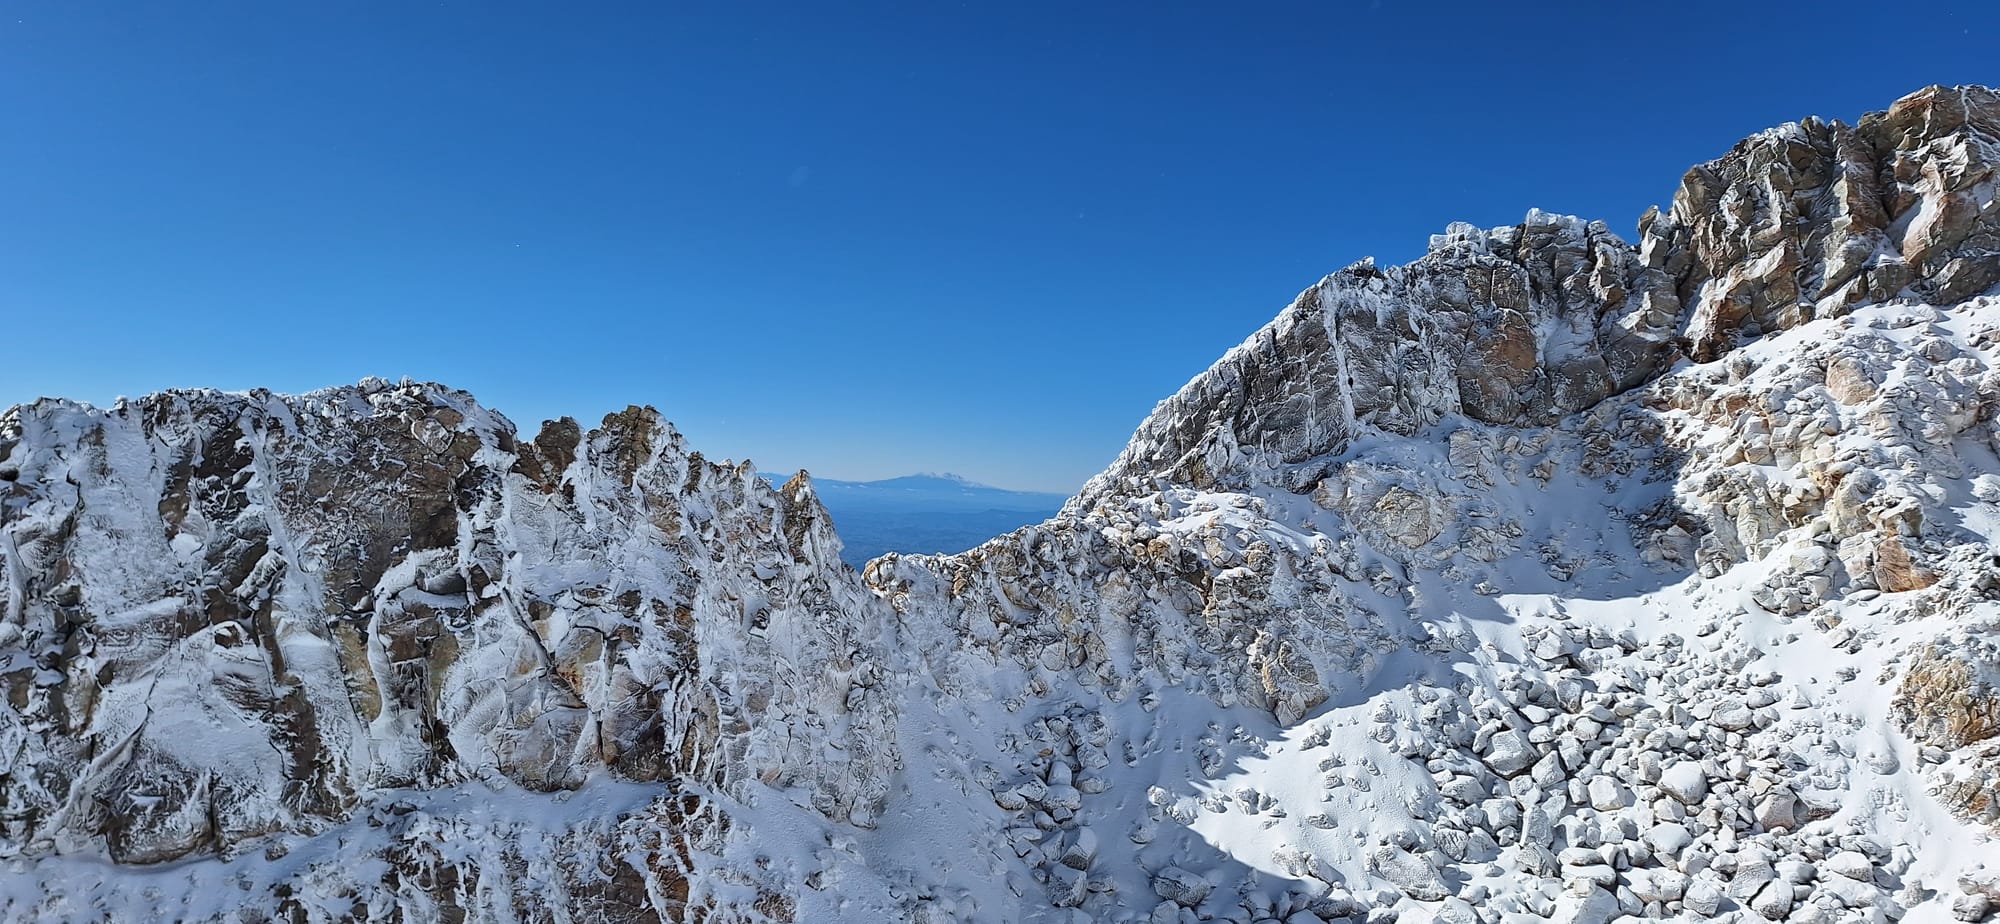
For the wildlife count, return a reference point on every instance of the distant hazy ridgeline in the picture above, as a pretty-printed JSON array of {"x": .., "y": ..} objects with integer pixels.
[{"x": 924, "y": 513}]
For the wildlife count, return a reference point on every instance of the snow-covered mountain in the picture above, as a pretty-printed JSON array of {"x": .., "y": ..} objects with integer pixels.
[{"x": 1548, "y": 577}]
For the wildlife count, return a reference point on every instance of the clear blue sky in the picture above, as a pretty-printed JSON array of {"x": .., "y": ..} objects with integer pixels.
[{"x": 866, "y": 240}]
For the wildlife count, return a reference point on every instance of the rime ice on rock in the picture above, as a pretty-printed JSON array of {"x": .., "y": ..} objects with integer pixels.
[{"x": 1546, "y": 577}]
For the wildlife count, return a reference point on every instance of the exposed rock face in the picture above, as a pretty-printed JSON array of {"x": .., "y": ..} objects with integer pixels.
[
  {"x": 1547, "y": 577},
  {"x": 1426, "y": 411},
  {"x": 1816, "y": 217},
  {"x": 239, "y": 614},
  {"x": 1524, "y": 325},
  {"x": 1520, "y": 325}
]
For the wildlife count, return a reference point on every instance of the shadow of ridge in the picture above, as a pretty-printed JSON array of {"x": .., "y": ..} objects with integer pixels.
[
  {"x": 1610, "y": 522},
  {"x": 1184, "y": 717},
  {"x": 1582, "y": 538}
]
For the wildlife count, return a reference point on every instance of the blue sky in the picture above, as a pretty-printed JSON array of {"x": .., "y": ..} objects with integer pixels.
[{"x": 862, "y": 239}]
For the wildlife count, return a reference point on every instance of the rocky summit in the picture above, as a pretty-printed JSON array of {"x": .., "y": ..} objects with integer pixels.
[{"x": 1548, "y": 577}]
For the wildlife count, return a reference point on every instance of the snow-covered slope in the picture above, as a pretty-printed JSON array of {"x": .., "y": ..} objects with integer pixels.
[{"x": 1547, "y": 577}]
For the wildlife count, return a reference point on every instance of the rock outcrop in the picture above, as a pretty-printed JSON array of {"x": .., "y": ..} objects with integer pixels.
[
  {"x": 1810, "y": 219},
  {"x": 234, "y": 615},
  {"x": 1547, "y": 577}
]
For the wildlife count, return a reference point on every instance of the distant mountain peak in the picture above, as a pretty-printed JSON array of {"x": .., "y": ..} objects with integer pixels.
[
  {"x": 935, "y": 480},
  {"x": 952, "y": 477}
]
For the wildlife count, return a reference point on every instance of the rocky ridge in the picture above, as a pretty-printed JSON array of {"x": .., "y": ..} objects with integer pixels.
[
  {"x": 1547, "y": 577},
  {"x": 236, "y": 615}
]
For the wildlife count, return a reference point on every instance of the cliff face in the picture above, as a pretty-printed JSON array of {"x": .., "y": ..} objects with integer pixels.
[
  {"x": 1811, "y": 219},
  {"x": 1523, "y": 326},
  {"x": 1529, "y": 513},
  {"x": 234, "y": 615},
  {"x": 1546, "y": 577}
]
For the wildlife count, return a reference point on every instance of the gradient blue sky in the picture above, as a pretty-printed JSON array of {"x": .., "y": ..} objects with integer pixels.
[{"x": 863, "y": 239}]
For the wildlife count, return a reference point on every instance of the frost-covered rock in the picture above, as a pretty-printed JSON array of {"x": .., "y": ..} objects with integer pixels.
[
  {"x": 1850, "y": 863},
  {"x": 1510, "y": 752},
  {"x": 294, "y": 603},
  {"x": 1412, "y": 873},
  {"x": 1774, "y": 900},
  {"x": 1685, "y": 781},
  {"x": 1549, "y": 576},
  {"x": 1669, "y": 839},
  {"x": 1585, "y": 904},
  {"x": 1180, "y": 886},
  {"x": 1849, "y": 891},
  {"x": 1778, "y": 809}
]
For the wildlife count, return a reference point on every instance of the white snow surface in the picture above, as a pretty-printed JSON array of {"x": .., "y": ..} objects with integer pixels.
[
  {"x": 1455, "y": 594},
  {"x": 1358, "y": 805},
  {"x": 1006, "y": 761},
  {"x": 1087, "y": 778}
]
